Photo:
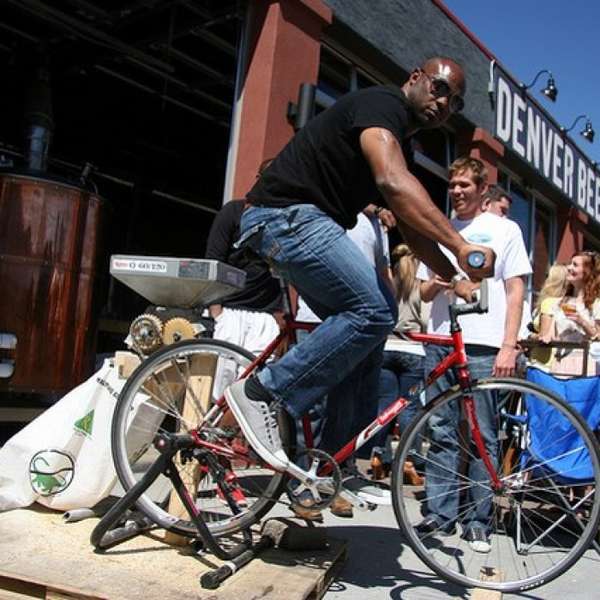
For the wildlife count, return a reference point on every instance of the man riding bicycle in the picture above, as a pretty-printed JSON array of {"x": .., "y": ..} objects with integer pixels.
[{"x": 296, "y": 219}]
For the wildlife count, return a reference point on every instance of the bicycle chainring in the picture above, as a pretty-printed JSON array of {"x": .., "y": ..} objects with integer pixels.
[{"x": 319, "y": 492}]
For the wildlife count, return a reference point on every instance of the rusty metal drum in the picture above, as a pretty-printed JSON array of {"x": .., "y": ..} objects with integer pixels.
[{"x": 49, "y": 247}]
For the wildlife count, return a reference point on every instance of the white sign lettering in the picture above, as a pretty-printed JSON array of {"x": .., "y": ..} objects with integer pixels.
[{"x": 524, "y": 128}]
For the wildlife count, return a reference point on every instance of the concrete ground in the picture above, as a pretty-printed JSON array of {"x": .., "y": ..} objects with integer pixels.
[{"x": 381, "y": 566}]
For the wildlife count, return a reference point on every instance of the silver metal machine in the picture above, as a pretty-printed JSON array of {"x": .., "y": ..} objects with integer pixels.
[
  {"x": 172, "y": 283},
  {"x": 177, "y": 282}
]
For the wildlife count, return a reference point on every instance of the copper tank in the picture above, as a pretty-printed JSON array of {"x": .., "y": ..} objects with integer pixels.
[{"x": 49, "y": 245}]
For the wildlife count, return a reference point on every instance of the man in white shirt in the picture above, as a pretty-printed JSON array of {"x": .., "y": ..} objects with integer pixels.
[
  {"x": 496, "y": 201},
  {"x": 491, "y": 341}
]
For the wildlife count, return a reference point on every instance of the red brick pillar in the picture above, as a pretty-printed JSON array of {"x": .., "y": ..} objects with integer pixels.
[
  {"x": 284, "y": 50},
  {"x": 570, "y": 225}
]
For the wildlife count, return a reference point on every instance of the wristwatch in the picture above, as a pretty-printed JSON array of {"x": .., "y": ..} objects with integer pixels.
[{"x": 455, "y": 279}]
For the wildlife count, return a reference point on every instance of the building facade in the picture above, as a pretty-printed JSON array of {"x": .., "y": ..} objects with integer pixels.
[
  {"x": 554, "y": 201},
  {"x": 162, "y": 111}
]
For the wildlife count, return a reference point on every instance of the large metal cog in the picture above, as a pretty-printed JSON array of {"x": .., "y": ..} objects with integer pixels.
[
  {"x": 146, "y": 333},
  {"x": 177, "y": 329}
]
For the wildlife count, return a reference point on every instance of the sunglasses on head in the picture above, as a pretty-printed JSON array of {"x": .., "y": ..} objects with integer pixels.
[{"x": 441, "y": 89}]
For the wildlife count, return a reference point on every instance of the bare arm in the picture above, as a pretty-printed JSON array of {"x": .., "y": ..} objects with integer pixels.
[
  {"x": 546, "y": 333},
  {"x": 515, "y": 296},
  {"x": 506, "y": 358},
  {"x": 428, "y": 251},
  {"x": 430, "y": 289},
  {"x": 423, "y": 223}
]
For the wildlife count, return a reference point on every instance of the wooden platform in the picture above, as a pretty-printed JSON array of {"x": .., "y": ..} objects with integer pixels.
[{"x": 42, "y": 557}]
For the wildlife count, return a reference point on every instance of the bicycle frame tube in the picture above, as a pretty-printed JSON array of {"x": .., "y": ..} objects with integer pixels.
[
  {"x": 456, "y": 359},
  {"x": 287, "y": 333},
  {"x": 388, "y": 415}
]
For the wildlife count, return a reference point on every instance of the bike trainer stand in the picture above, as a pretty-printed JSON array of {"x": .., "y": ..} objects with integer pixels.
[{"x": 107, "y": 533}]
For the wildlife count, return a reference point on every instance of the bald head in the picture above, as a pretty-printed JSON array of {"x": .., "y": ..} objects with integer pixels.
[
  {"x": 448, "y": 70},
  {"x": 435, "y": 91}
]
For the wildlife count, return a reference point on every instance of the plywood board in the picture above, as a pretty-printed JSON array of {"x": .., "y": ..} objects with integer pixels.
[{"x": 38, "y": 547}]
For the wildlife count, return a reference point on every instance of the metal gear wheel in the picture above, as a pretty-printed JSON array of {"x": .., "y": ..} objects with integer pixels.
[
  {"x": 146, "y": 333},
  {"x": 320, "y": 491},
  {"x": 177, "y": 329}
]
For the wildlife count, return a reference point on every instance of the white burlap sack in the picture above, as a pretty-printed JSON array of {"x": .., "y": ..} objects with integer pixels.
[{"x": 63, "y": 458}]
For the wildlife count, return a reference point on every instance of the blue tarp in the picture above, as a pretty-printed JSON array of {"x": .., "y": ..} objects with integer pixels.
[{"x": 551, "y": 435}]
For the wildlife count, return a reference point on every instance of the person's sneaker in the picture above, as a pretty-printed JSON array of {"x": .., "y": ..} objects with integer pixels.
[
  {"x": 258, "y": 423},
  {"x": 340, "y": 507},
  {"x": 429, "y": 526},
  {"x": 478, "y": 540}
]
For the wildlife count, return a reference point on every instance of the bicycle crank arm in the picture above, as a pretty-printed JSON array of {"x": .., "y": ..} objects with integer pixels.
[{"x": 356, "y": 500}]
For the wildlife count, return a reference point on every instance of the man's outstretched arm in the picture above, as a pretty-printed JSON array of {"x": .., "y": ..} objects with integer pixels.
[{"x": 421, "y": 221}]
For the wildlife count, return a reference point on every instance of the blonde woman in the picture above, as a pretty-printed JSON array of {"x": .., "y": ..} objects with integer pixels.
[
  {"x": 554, "y": 287},
  {"x": 402, "y": 358},
  {"x": 573, "y": 316}
]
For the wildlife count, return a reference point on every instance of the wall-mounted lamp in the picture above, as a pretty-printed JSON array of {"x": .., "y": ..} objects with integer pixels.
[
  {"x": 550, "y": 90},
  {"x": 587, "y": 132},
  {"x": 301, "y": 113},
  {"x": 491, "y": 82}
]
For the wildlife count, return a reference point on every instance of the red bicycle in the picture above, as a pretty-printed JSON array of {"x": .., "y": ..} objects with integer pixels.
[{"x": 541, "y": 518}]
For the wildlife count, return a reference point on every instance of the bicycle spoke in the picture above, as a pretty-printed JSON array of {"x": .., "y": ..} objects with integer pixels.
[
  {"x": 534, "y": 528},
  {"x": 161, "y": 397}
]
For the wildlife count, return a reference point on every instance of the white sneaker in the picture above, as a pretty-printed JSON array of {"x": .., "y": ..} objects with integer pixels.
[
  {"x": 258, "y": 423},
  {"x": 478, "y": 540}
]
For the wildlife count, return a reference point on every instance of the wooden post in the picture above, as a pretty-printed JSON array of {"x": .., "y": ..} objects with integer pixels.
[
  {"x": 126, "y": 363},
  {"x": 488, "y": 574},
  {"x": 198, "y": 390}
]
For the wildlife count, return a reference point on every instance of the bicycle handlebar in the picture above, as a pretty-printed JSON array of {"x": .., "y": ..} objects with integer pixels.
[
  {"x": 480, "y": 306},
  {"x": 476, "y": 259}
]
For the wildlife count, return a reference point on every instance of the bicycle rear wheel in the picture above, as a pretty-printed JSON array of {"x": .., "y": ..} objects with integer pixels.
[
  {"x": 541, "y": 520},
  {"x": 171, "y": 392}
]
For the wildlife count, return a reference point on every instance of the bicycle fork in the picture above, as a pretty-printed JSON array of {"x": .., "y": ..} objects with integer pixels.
[{"x": 464, "y": 380}]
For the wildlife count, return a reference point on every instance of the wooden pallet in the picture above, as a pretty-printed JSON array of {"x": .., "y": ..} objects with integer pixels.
[{"x": 43, "y": 557}]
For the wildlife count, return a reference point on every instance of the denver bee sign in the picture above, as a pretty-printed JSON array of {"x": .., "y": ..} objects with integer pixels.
[{"x": 525, "y": 130}]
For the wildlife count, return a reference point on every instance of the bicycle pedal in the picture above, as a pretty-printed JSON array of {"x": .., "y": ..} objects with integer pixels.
[
  {"x": 376, "y": 496},
  {"x": 355, "y": 500}
]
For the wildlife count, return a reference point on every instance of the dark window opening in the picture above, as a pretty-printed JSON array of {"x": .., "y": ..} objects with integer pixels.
[{"x": 143, "y": 91}]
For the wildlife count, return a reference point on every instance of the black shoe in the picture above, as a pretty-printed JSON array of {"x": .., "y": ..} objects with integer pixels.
[
  {"x": 429, "y": 526},
  {"x": 478, "y": 539}
]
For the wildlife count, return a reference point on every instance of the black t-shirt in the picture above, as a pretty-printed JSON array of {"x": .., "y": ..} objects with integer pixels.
[
  {"x": 323, "y": 163},
  {"x": 262, "y": 291}
]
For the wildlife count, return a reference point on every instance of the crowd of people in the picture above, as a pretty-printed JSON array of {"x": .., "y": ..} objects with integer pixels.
[{"x": 301, "y": 219}]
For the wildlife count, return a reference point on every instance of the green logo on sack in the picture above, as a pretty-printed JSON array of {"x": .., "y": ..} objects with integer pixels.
[
  {"x": 51, "y": 472},
  {"x": 85, "y": 424}
]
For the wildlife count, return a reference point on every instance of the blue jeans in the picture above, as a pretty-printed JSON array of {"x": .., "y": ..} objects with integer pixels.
[
  {"x": 352, "y": 404},
  {"x": 313, "y": 252},
  {"x": 399, "y": 372},
  {"x": 442, "y": 483},
  {"x": 335, "y": 419}
]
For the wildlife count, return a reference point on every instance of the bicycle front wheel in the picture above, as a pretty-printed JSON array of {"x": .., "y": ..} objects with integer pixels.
[
  {"x": 533, "y": 526},
  {"x": 171, "y": 392}
]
